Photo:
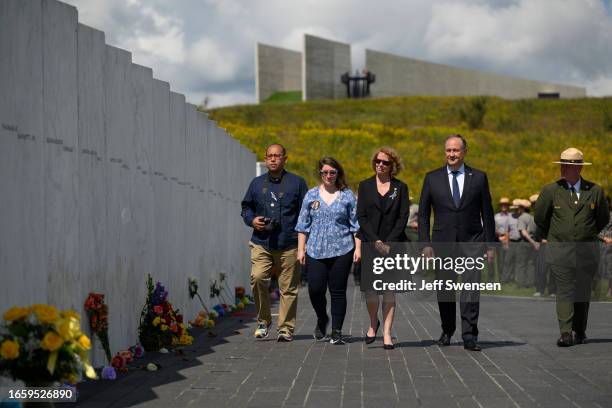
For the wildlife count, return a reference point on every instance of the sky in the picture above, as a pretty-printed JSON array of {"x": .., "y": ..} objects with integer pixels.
[{"x": 205, "y": 48}]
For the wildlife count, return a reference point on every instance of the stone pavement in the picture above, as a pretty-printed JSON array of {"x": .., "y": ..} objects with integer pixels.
[{"x": 520, "y": 365}]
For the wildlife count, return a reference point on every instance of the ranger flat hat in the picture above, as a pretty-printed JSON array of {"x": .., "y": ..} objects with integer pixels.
[
  {"x": 516, "y": 203},
  {"x": 534, "y": 198},
  {"x": 526, "y": 203},
  {"x": 572, "y": 156},
  {"x": 504, "y": 200}
]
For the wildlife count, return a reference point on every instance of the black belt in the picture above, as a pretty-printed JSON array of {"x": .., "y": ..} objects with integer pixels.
[{"x": 516, "y": 240}]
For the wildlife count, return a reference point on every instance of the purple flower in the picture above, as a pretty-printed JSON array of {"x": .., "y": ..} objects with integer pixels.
[
  {"x": 109, "y": 373},
  {"x": 138, "y": 351}
]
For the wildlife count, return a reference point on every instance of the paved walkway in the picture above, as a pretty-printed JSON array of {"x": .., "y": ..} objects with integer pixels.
[{"x": 520, "y": 365}]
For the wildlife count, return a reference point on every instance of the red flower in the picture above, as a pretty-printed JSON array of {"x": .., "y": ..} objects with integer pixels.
[
  {"x": 157, "y": 309},
  {"x": 179, "y": 318},
  {"x": 117, "y": 361},
  {"x": 173, "y": 327}
]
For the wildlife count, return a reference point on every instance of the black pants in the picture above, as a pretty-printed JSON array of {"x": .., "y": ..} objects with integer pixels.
[
  {"x": 329, "y": 273},
  {"x": 469, "y": 305}
]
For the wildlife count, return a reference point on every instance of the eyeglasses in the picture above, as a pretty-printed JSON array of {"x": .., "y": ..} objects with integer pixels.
[
  {"x": 383, "y": 162},
  {"x": 329, "y": 172},
  {"x": 274, "y": 156}
]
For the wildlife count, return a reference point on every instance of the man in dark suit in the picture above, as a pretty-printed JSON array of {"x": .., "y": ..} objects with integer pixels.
[{"x": 460, "y": 198}]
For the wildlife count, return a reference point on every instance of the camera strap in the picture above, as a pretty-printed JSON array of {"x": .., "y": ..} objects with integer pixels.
[{"x": 266, "y": 186}]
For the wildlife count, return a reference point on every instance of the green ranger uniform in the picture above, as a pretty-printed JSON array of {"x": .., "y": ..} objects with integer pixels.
[{"x": 571, "y": 225}]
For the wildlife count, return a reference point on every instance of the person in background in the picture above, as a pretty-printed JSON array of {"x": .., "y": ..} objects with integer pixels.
[
  {"x": 327, "y": 246},
  {"x": 606, "y": 252},
  {"x": 525, "y": 272},
  {"x": 511, "y": 260},
  {"x": 501, "y": 232},
  {"x": 271, "y": 206}
]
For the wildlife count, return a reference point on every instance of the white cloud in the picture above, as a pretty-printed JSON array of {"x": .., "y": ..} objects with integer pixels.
[
  {"x": 212, "y": 61},
  {"x": 206, "y": 47}
]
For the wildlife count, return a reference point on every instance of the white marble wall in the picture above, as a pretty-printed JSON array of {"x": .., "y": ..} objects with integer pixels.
[{"x": 106, "y": 175}]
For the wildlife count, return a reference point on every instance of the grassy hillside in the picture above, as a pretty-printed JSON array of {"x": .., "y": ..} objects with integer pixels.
[{"x": 514, "y": 143}]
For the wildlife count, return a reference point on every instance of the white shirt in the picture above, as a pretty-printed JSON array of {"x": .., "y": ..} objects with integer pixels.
[
  {"x": 460, "y": 179},
  {"x": 576, "y": 187}
]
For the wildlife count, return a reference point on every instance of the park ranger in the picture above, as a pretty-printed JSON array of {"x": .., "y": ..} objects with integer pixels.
[{"x": 570, "y": 213}]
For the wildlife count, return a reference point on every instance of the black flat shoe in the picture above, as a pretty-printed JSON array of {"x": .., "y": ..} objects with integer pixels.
[
  {"x": 444, "y": 340},
  {"x": 388, "y": 346},
  {"x": 472, "y": 346},
  {"x": 370, "y": 340}
]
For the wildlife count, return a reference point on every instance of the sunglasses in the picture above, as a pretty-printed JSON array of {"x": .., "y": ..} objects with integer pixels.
[
  {"x": 328, "y": 172},
  {"x": 383, "y": 162}
]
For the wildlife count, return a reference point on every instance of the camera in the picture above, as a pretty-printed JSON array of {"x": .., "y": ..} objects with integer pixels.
[{"x": 271, "y": 224}]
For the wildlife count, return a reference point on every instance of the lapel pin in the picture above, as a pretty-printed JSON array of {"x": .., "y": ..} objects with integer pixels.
[{"x": 315, "y": 204}]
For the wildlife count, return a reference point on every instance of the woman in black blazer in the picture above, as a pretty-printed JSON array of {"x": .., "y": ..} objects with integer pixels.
[{"x": 383, "y": 206}]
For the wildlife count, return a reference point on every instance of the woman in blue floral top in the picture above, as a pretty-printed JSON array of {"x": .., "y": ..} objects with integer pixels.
[{"x": 327, "y": 246}]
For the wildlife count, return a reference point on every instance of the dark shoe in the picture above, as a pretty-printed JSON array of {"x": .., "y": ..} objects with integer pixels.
[
  {"x": 580, "y": 338},
  {"x": 565, "y": 340},
  {"x": 472, "y": 346},
  {"x": 444, "y": 339},
  {"x": 388, "y": 346},
  {"x": 320, "y": 332},
  {"x": 370, "y": 340},
  {"x": 336, "y": 337}
]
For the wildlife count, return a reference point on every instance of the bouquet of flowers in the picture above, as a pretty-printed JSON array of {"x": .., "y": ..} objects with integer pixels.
[
  {"x": 97, "y": 312},
  {"x": 40, "y": 345},
  {"x": 160, "y": 325}
]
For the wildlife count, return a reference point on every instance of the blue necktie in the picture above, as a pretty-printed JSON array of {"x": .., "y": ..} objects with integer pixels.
[{"x": 456, "y": 194}]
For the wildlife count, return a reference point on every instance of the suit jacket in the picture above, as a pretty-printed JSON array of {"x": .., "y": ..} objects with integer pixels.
[
  {"x": 473, "y": 221},
  {"x": 563, "y": 224},
  {"x": 382, "y": 220}
]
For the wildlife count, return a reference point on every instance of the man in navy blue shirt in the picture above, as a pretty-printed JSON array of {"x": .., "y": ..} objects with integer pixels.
[{"x": 271, "y": 207}]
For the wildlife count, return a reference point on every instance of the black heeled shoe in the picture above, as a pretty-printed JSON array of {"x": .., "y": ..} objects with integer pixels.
[
  {"x": 389, "y": 346},
  {"x": 370, "y": 340}
]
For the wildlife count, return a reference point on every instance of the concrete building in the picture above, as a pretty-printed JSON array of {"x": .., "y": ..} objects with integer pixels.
[
  {"x": 401, "y": 76},
  {"x": 276, "y": 70},
  {"x": 324, "y": 61}
]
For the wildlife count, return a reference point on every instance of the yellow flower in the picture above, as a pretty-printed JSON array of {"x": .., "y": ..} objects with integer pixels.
[
  {"x": 186, "y": 339},
  {"x": 9, "y": 350},
  {"x": 164, "y": 327},
  {"x": 16, "y": 313},
  {"x": 72, "y": 379},
  {"x": 51, "y": 341},
  {"x": 156, "y": 321},
  {"x": 68, "y": 328},
  {"x": 46, "y": 314},
  {"x": 84, "y": 342},
  {"x": 71, "y": 313}
]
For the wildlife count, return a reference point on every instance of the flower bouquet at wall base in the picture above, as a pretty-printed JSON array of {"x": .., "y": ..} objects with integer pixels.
[
  {"x": 160, "y": 325},
  {"x": 40, "y": 345},
  {"x": 97, "y": 311}
]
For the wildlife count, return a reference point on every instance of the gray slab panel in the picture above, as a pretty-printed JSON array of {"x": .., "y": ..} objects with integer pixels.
[
  {"x": 60, "y": 154},
  {"x": 276, "y": 70},
  {"x": 22, "y": 257},
  {"x": 119, "y": 235},
  {"x": 91, "y": 167},
  {"x": 324, "y": 63},
  {"x": 396, "y": 75}
]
